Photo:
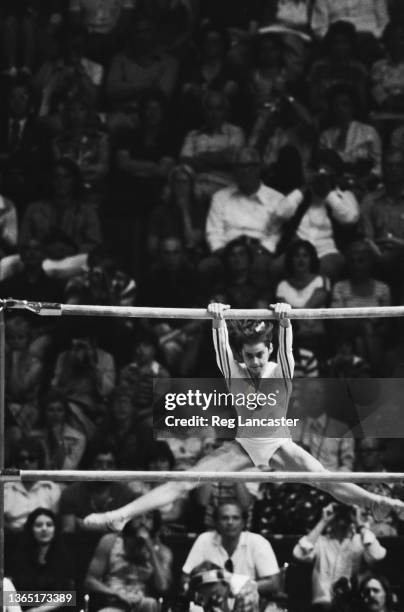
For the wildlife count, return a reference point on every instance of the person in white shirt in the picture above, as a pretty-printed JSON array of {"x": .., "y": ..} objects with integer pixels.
[
  {"x": 321, "y": 208},
  {"x": 236, "y": 550},
  {"x": 249, "y": 208},
  {"x": 303, "y": 287},
  {"x": 337, "y": 545}
]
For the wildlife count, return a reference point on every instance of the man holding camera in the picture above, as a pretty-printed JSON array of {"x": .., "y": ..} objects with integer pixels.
[
  {"x": 337, "y": 546},
  {"x": 325, "y": 213},
  {"x": 322, "y": 212}
]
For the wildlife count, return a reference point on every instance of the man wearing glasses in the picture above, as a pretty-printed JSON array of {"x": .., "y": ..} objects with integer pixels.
[{"x": 236, "y": 550}]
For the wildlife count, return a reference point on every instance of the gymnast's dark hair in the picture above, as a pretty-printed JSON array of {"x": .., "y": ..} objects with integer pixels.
[{"x": 250, "y": 332}]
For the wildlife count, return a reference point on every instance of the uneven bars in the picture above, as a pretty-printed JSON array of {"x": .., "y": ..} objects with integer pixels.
[
  {"x": 194, "y": 476},
  {"x": 54, "y": 309}
]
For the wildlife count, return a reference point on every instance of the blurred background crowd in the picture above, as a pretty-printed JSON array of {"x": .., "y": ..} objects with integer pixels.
[{"x": 171, "y": 153}]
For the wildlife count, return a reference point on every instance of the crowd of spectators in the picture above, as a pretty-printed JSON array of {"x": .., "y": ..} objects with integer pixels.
[{"x": 173, "y": 153}]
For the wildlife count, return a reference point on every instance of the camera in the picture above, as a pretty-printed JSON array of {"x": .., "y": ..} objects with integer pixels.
[
  {"x": 323, "y": 181},
  {"x": 344, "y": 514},
  {"x": 342, "y": 590}
]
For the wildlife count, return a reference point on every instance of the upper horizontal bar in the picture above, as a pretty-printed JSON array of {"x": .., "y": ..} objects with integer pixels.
[
  {"x": 194, "y": 476},
  {"x": 47, "y": 309}
]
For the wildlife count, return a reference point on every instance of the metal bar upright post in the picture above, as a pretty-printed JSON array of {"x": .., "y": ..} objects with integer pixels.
[{"x": 2, "y": 442}]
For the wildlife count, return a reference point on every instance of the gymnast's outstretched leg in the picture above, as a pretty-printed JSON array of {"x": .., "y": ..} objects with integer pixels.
[
  {"x": 291, "y": 457},
  {"x": 228, "y": 457}
]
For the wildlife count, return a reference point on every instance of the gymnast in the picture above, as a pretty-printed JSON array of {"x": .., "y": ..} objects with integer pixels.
[{"x": 276, "y": 451}]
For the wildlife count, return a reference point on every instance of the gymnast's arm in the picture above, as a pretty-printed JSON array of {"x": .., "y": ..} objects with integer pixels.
[
  {"x": 285, "y": 358},
  {"x": 224, "y": 355}
]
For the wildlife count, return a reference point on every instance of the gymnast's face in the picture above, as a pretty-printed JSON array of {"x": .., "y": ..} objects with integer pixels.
[{"x": 256, "y": 356}]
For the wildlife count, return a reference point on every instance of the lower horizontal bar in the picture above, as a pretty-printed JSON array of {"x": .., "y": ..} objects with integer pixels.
[
  {"x": 43, "y": 308},
  {"x": 194, "y": 476}
]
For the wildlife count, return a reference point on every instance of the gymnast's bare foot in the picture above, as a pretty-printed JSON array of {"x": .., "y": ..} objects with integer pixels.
[
  {"x": 382, "y": 506},
  {"x": 112, "y": 521}
]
